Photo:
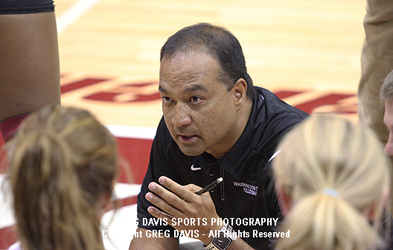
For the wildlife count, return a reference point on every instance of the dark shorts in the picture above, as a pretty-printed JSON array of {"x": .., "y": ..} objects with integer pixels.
[{"x": 25, "y": 6}]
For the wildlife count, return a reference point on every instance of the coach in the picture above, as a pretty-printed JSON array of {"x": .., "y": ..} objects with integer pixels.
[{"x": 215, "y": 124}]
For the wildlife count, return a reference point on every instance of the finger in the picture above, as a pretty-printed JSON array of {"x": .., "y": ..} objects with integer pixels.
[
  {"x": 167, "y": 195},
  {"x": 159, "y": 214},
  {"x": 181, "y": 191},
  {"x": 193, "y": 188},
  {"x": 163, "y": 205},
  {"x": 167, "y": 218}
]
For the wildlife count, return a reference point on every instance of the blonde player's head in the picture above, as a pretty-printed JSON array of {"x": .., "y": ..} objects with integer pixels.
[
  {"x": 332, "y": 181},
  {"x": 63, "y": 167}
]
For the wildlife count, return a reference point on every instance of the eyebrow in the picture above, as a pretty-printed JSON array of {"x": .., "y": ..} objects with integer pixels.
[
  {"x": 195, "y": 88},
  {"x": 161, "y": 89},
  {"x": 187, "y": 90}
]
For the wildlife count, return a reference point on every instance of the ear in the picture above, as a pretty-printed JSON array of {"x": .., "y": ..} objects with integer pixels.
[
  {"x": 239, "y": 91},
  {"x": 284, "y": 199},
  {"x": 105, "y": 201}
]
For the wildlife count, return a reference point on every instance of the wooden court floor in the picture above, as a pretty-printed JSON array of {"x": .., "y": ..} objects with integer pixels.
[
  {"x": 307, "y": 52},
  {"x": 311, "y": 46}
]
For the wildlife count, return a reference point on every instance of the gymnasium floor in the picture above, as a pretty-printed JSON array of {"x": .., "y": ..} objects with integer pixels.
[{"x": 307, "y": 52}]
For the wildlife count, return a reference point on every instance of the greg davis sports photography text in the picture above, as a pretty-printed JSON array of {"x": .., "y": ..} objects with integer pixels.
[{"x": 255, "y": 223}]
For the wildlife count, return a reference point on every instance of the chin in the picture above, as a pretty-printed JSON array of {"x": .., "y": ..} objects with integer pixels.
[{"x": 190, "y": 152}]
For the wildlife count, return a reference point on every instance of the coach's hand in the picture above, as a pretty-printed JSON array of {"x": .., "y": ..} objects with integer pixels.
[{"x": 183, "y": 209}]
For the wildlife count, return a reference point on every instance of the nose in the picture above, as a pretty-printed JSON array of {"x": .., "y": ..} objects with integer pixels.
[
  {"x": 181, "y": 116},
  {"x": 389, "y": 146}
]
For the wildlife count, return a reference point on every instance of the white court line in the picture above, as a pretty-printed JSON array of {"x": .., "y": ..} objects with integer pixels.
[
  {"x": 132, "y": 132},
  {"x": 73, "y": 13},
  {"x": 66, "y": 19},
  {"x": 6, "y": 215}
]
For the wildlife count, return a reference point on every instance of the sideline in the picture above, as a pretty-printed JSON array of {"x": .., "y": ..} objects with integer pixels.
[{"x": 73, "y": 13}]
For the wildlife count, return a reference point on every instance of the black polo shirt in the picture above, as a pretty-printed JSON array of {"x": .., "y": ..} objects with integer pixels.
[{"x": 246, "y": 197}]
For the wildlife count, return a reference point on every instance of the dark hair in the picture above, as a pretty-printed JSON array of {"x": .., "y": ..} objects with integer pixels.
[{"x": 220, "y": 43}]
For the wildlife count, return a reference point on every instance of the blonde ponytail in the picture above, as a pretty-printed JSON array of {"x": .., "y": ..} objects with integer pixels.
[
  {"x": 336, "y": 176},
  {"x": 55, "y": 188},
  {"x": 343, "y": 226}
]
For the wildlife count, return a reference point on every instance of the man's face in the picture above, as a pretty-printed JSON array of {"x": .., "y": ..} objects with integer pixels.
[
  {"x": 199, "y": 112},
  {"x": 388, "y": 120}
]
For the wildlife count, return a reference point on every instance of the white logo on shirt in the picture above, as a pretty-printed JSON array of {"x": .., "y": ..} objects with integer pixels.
[
  {"x": 247, "y": 188},
  {"x": 193, "y": 168}
]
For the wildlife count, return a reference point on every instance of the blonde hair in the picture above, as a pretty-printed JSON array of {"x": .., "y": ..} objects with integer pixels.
[
  {"x": 334, "y": 171},
  {"x": 62, "y": 160}
]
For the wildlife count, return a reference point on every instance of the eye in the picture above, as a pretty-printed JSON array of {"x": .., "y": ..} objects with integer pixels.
[
  {"x": 166, "y": 99},
  {"x": 195, "y": 99}
]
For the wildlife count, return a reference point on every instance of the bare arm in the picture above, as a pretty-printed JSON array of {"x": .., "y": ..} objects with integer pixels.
[{"x": 154, "y": 243}]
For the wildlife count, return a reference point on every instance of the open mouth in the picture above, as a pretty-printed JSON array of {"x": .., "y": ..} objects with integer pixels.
[{"x": 187, "y": 138}]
